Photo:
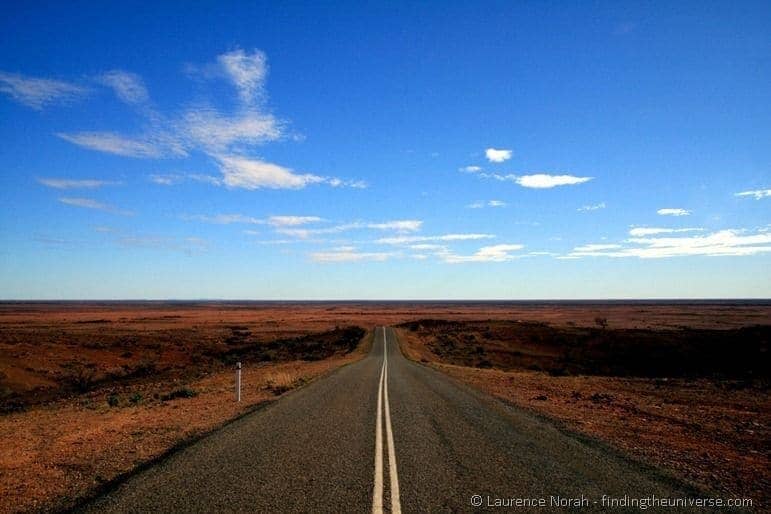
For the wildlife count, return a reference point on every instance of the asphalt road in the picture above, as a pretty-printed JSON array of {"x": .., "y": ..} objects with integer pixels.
[{"x": 432, "y": 446}]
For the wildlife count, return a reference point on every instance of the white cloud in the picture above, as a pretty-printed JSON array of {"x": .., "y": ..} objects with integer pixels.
[
  {"x": 398, "y": 225},
  {"x": 592, "y": 207},
  {"x": 400, "y": 240},
  {"x": 545, "y": 181},
  {"x": 427, "y": 247},
  {"x": 489, "y": 203},
  {"x": 224, "y": 219},
  {"x": 225, "y": 137},
  {"x": 757, "y": 194},
  {"x": 249, "y": 173},
  {"x": 495, "y": 253},
  {"x": 673, "y": 212},
  {"x": 171, "y": 179},
  {"x": 247, "y": 72},
  {"x": 595, "y": 247},
  {"x": 292, "y": 221},
  {"x": 62, "y": 183},
  {"x": 88, "y": 203},
  {"x": 305, "y": 233},
  {"x": 471, "y": 169},
  {"x": 283, "y": 241},
  {"x": 729, "y": 242},
  {"x": 256, "y": 174},
  {"x": 495, "y": 155},
  {"x": 208, "y": 128},
  {"x": 349, "y": 254},
  {"x": 115, "y": 144},
  {"x": 127, "y": 86},
  {"x": 537, "y": 180},
  {"x": 652, "y": 231},
  {"x": 38, "y": 93},
  {"x": 204, "y": 129},
  {"x": 167, "y": 179},
  {"x": 355, "y": 184}
]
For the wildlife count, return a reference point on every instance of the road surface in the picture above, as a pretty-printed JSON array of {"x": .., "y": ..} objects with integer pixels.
[{"x": 387, "y": 435}]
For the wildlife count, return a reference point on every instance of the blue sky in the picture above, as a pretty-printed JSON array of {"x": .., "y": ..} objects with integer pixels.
[{"x": 491, "y": 150}]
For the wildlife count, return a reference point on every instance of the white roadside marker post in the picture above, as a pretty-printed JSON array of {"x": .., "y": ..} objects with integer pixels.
[{"x": 238, "y": 381}]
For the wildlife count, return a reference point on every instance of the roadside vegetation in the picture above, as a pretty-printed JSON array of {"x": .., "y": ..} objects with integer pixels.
[
  {"x": 84, "y": 402},
  {"x": 693, "y": 401}
]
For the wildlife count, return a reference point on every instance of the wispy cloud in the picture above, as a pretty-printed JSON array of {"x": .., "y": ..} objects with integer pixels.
[
  {"x": 595, "y": 248},
  {"x": 495, "y": 253},
  {"x": 108, "y": 142},
  {"x": 471, "y": 169},
  {"x": 248, "y": 173},
  {"x": 398, "y": 225},
  {"x": 757, "y": 194},
  {"x": 247, "y": 71},
  {"x": 349, "y": 254},
  {"x": 427, "y": 247},
  {"x": 545, "y": 181},
  {"x": 203, "y": 129},
  {"x": 592, "y": 207},
  {"x": 89, "y": 203},
  {"x": 292, "y": 221},
  {"x": 171, "y": 179},
  {"x": 62, "y": 183},
  {"x": 58, "y": 241},
  {"x": 223, "y": 219},
  {"x": 673, "y": 212},
  {"x": 127, "y": 86},
  {"x": 354, "y": 184},
  {"x": 731, "y": 242},
  {"x": 288, "y": 241},
  {"x": 536, "y": 180},
  {"x": 497, "y": 155},
  {"x": 652, "y": 231},
  {"x": 226, "y": 137},
  {"x": 168, "y": 179},
  {"x": 36, "y": 92},
  {"x": 305, "y": 233},
  {"x": 401, "y": 240},
  {"x": 209, "y": 129},
  {"x": 489, "y": 203}
]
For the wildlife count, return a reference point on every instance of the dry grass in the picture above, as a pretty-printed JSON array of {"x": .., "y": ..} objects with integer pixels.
[
  {"x": 278, "y": 382},
  {"x": 52, "y": 455},
  {"x": 60, "y": 449}
]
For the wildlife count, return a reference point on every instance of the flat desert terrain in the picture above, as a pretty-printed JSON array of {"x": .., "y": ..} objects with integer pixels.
[{"x": 90, "y": 391}]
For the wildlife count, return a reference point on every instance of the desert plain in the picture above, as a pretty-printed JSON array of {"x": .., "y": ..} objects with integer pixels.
[{"x": 90, "y": 392}]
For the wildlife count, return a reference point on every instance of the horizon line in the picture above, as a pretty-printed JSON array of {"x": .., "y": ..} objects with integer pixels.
[{"x": 387, "y": 300}]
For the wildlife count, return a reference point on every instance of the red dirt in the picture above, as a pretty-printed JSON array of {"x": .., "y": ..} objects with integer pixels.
[
  {"x": 61, "y": 364},
  {"x": 712, "y": 432}
]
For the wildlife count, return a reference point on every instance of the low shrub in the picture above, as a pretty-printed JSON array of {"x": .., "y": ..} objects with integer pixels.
[{"x": 182, "y": 392}]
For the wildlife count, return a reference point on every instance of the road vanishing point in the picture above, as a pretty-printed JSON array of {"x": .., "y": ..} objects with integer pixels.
[{"x": 386, "y": 434}]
